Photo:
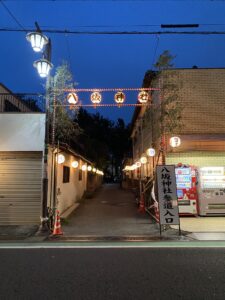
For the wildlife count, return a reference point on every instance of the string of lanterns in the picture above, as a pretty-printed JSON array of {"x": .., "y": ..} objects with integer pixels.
[
  {"x": 75, "y": 165},
  {"x": 119, "y": 97},
  {"x": 174, "y": 142}
]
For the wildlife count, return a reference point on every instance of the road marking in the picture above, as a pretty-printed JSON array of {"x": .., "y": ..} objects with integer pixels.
[{"x": 75, "y": 245}]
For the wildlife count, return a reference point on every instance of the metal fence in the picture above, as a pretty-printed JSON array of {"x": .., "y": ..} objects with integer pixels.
[{"x": 22, "y": 103}]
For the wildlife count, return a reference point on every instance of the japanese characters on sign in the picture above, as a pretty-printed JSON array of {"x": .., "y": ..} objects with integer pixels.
[{"x": 167, "y": 195}]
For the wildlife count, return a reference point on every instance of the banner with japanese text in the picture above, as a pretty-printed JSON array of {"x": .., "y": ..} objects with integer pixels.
[{"x": 167, "y": 195}]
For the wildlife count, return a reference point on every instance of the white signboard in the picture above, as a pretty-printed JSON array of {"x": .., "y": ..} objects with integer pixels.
[
  {"x": 22, "y": 132},
  {"x": 167, "y": 195}
]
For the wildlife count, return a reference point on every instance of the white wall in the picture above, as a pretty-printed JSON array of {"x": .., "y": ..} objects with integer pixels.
[
  {"x": 22, "y": 132},
  {"x": 72, "y": 191}
]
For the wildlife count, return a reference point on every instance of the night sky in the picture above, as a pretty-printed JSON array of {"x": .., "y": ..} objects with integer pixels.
[{"x": 108, "y": 61}]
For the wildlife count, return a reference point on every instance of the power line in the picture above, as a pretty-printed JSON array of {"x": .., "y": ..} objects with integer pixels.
[
  {"x": 155, "y": 51},
  {"x": 12, "y": 16},
  {"x": 65, "y": 31}
]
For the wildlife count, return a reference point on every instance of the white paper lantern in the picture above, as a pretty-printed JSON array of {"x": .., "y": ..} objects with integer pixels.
[
  {"x": 143, "y": 97},
  {"x": 96, "y": 97},
  {"x": 60, "y": 159},
  {"x": 150, "y": 152},
  {"x": 119, "y": 97},
  {"x": 72, "y": 98},
  {"x": 175, "y": 141},
  {"x": 75, "y": 164}
]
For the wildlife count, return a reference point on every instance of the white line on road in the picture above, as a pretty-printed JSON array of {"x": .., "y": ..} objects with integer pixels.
[{"x": 197, "y": 244}]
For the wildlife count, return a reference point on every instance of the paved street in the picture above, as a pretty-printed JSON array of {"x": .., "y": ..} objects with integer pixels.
[
  {"x": 151, "y": 273},
  {"x": 112, "y": 212}
]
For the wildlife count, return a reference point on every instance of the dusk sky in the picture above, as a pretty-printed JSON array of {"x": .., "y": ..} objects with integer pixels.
[{"x": 108, "y": 61}]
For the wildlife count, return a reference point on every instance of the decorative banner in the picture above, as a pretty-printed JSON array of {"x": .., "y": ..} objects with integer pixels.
[{"x": 167, "y": 195}]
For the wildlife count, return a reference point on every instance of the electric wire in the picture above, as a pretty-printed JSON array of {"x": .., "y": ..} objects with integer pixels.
[
  {"x": 63, "y": 31},
  {"x": 155, "y": 50},
  {"x": 12, "y": 16}
]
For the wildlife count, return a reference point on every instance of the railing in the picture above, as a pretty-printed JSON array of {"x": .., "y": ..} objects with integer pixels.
[{"x": 22, "y": 103}]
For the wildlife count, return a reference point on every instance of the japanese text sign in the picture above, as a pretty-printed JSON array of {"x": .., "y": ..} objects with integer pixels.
[{"x": 167, "y": 195}]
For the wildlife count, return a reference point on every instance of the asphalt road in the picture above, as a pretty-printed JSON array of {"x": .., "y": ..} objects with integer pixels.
[{"x": 137, "y": 273}]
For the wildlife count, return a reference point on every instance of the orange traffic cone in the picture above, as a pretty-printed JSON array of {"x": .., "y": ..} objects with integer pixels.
[
  {"x": 57, "y": 227},
  {"x": 142, "y": 204}
]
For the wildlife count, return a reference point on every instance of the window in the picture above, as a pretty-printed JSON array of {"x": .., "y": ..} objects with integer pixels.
[
  {"x": 80, "y": 175},
  {"x": 66, "y": 174}
]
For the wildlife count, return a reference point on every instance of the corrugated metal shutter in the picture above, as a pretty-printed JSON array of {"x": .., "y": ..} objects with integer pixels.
[{"x": 20, "y": 187}]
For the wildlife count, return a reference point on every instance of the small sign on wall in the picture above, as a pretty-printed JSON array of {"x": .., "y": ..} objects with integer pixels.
[{"x": 167, "y": 195}]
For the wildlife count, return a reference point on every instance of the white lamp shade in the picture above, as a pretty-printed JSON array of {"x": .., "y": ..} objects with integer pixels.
[
  {"x": 89, "y": 168},
  {"x": 37, "y": 40},
  {"x": 43, "y": 67}
]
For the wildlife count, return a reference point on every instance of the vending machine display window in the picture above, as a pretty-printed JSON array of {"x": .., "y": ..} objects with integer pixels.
[
  {"x": 183, "y": 178},
  {"x": 186, "y": 189},
  {"x": 212, "y": 177},
  {"x": 212, "y": 191}
]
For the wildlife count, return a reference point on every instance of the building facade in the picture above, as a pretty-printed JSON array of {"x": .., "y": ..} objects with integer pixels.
[{"x": 199, "y": 94}]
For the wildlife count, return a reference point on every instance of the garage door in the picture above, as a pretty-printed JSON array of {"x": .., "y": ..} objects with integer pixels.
[{"x": 20, "y": 187}]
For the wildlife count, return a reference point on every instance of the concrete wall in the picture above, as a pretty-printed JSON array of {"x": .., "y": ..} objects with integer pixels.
[
  {"x": 71, "y": 192},
  {"x": 22, "y": 132}
]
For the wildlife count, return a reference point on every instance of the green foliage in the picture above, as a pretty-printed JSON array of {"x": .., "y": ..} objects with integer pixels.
[
  {"x": 66, "y": 130},
  {"x": 165, "y": 61},
  {"x": 168, "y": 111},
  {"x": 103, "y": 141}
]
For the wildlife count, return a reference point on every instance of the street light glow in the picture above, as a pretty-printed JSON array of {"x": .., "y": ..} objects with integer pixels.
[
  {"x": 43, "y": 67},
  {"x": 37, "y": 40}
]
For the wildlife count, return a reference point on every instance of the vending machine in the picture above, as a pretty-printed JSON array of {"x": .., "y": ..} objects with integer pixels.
[
  {"x": 186, "y": 179},
  {"x": 211, "y": 191}
]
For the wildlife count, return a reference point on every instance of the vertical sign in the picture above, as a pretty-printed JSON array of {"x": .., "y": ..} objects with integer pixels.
[{"x": 167, "y": 195}]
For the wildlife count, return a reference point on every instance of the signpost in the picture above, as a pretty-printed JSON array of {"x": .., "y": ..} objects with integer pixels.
[{"x": 167, "y": 196}]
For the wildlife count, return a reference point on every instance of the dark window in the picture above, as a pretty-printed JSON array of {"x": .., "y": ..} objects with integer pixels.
[
  {"x": 80, "y": 175},
  {"x": 66, "y": 174}
]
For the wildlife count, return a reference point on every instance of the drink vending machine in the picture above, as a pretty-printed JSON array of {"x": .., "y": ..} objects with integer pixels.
[
  {"x": 211, "y": 191},
  {"x": 186, "y": 180}
]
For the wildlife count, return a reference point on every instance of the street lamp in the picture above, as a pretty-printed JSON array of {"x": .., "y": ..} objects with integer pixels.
[
  {"x": 37, "y": 40},
  {"x": 43, "y": 67},
  {"x": 40, "y": 42}
]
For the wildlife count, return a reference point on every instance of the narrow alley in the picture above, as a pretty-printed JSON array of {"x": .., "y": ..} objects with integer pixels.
[{"x": 112, "y": 212}]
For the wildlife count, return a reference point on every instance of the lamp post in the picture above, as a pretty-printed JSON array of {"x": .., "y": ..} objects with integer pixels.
[{"x": 40, "y": 43}]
